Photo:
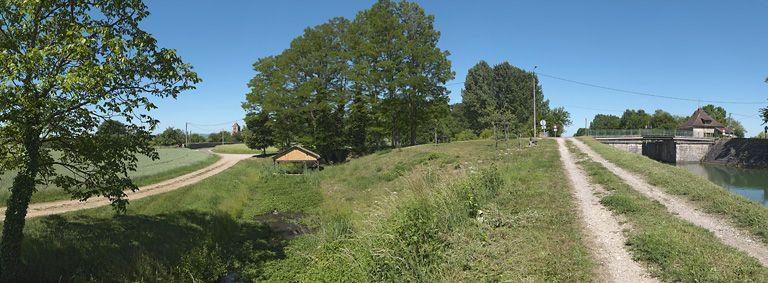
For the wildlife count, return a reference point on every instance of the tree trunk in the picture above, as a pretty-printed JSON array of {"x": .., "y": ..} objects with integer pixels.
[{"x": 13, "y": 227}]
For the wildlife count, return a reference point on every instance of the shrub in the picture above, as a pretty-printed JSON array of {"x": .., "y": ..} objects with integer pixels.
[
  {"x": 465, "y": 135},
  {"x": 486, "y": 134}
]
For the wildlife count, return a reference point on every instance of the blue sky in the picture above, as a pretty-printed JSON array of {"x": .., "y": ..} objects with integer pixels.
[{"x": 708, "y": 50}]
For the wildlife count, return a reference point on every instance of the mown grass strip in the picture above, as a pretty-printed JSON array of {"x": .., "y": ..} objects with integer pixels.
[
  {"x": 674, "y": 249},
  {"x": 710, "y": 197}
]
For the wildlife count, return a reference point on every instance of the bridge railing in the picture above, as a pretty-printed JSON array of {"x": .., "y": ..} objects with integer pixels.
[{"x": 639, "y": 133}]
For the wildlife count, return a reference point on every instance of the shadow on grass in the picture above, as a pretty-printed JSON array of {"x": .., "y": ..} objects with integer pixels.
[{"x": 181, "y": 246}]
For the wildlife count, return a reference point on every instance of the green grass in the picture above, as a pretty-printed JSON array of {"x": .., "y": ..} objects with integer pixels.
[
  {"x": 173, "y": 162},
  {"x": 241, "y": 148},
  {"x": 710, "y": 197},
  {"x": 674, "y": 249},
  {"x": 411, "y": 214}
]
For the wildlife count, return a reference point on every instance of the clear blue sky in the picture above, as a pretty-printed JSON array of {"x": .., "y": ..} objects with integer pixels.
[{"x": 709, "y": 50}]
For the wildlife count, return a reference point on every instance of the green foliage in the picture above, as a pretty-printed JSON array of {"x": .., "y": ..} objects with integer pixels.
[
  {"x": 635, "y": 119},
  {"x": 196, "y": 138},
  {"x": 557, "y": 117},
  {"x": 465, "y": 135},
  {"x": 67, "y": 66},
  {"x": 603, "y": 122},
  {"x": 170, "y": 137},
  {"x": 736, "y": 127},
  {"x": 258, "y": 132},
  {"x": 306, "y": 90},
  {"x": 486, "y": 134},
  {"x": 500, "y": 97},
  {"x": 581, "y": 132},
  {"x": 717, "y": 112},
  {"x": 663, "y": 120}
]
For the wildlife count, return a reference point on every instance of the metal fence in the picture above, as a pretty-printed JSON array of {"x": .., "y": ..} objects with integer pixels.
[{"x": 640, "y": 133}]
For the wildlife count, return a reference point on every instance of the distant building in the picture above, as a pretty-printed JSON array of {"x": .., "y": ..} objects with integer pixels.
[
  {"x": 235, "y": 129},
  {"x": 704, "y": 125}
]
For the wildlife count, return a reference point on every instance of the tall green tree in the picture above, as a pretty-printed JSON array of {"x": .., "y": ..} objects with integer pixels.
[
  {"x": 170, "y": 136},
  {"x": 664, "y": 120},
  {"x": 477, "y": 95},
  {"x": 764, "y": 111},
  {"x": 635, "y": 119},
  {"x": 560, "y": 118},
  {"x": 718, "y": 113},
  {"x": 605, "y": 122},
  {"x": 65, "y": 67},
  {"x": 258, "y": 134},
  {"x": 736, "y": 126}
]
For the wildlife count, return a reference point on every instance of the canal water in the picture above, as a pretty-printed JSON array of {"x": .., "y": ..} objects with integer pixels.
[{"x": 751, "y": 183}]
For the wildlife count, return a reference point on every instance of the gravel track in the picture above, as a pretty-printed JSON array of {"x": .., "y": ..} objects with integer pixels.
[
  {"x": 606, "y": 239},
  {"x": 56, "y": 207},
  {"x": 686, "y": 210}
]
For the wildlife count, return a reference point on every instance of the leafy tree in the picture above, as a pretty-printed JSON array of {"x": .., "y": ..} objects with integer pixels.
[
  {"x": 761, "y": 135},
  {"x": 258, "y": 134},
  {"x": 718, "y": 113},
  {"x": 214, "y": 137},
  {"x": 486, "y": 134},
  {"x": 635, "y": 119},
  {"x": 477, "y": 95},
  {"x": 196, "y": 138},
  {"x": 605, "y": 122},
  {"x": 664, "y": 120},
  {"x": 65, "y": 67},
  {"x": 560, "y": 118},
  {"x": 736, "y": 127},
  {"x": 581, "y": 132},
  {"x": 764, "y": 111},
  {"x": 465, "y": 135},
  {"x": 112, "y": 127},
  {"x": 170, "y": 137}
]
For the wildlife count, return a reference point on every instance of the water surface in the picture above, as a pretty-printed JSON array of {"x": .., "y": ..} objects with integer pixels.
[{"x": 751, "y": 183}]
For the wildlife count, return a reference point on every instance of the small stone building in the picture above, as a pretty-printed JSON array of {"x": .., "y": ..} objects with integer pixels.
[
  {"x": 297, "y": 154},
  {"x": 704, "y": 126}
]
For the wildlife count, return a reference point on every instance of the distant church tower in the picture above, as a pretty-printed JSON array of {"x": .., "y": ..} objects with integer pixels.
[{"x": 235, "y": 129}]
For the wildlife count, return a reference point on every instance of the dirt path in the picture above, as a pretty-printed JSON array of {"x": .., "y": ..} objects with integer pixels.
[
  {"x": 57, "y": 207},
  {"x": 604, "y": 232},
  {"x": 722, "y": 228}
]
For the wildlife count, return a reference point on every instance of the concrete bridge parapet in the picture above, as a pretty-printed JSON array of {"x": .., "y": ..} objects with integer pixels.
[{"x": 663, "y": 148}]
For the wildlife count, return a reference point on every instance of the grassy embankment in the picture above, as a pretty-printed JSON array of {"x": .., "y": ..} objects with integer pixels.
[
  {"x": 459, "y": 211},
  {"x": 241, "y": 148},
  {"x": 673, "y": 249},
  {"x": 710, "y": 197},
  {"x": 173, "y": 162}
]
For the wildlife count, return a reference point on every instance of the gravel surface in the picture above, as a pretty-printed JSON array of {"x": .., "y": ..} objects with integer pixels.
[
  {"x": 607, "y": 241},
  {"x": 721, "y": 227},
  {"x": 57, "y": 207}
]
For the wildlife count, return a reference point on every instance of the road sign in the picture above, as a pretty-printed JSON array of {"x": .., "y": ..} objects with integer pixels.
[{"x": 543, "y": 123}]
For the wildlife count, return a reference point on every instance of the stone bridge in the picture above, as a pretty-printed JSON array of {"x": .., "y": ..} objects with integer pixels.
[{"x": 670, "y": 149}]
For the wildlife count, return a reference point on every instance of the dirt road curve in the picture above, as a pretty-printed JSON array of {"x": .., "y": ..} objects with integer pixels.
[
  {"x": 686, "y": 210},
  {"x": 603, "y": 229},
  {"x": 56, "y": 207}
]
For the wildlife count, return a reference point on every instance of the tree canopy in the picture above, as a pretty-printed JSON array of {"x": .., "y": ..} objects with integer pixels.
[
  {"x": 350, "y": 84},
  {"x": 503, "y": 91},
  {"x": 65, "y": 68}
]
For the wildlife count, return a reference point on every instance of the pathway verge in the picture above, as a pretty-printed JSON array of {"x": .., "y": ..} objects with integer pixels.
[
  {"x": 57, "y": 207},
  {"x": 722, "y": 229},
  {"x": 602, "y": 227}
]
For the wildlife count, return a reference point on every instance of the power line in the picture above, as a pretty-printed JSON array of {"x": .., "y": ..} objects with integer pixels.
[
  {"x": 218, "y": 124},
  {"x": 639, "y": 93},
  {"x": 649, "y": 94}
]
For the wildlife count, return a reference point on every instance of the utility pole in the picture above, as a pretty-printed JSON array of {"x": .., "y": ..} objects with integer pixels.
[
  {"x": 534, "y": 101},
  {"x": 186, "y": 130}
]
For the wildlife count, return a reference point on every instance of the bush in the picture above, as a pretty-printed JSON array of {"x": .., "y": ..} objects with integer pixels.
[
  {"x": 486, "y": 134},
  {"x": 465, "y": 135}
]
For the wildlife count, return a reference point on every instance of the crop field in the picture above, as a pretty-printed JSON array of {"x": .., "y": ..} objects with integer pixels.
[
  {"x": 453, "y": 212},
  {"x": 173, "y": 162},
  {"x": 241, "y": 148}
]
